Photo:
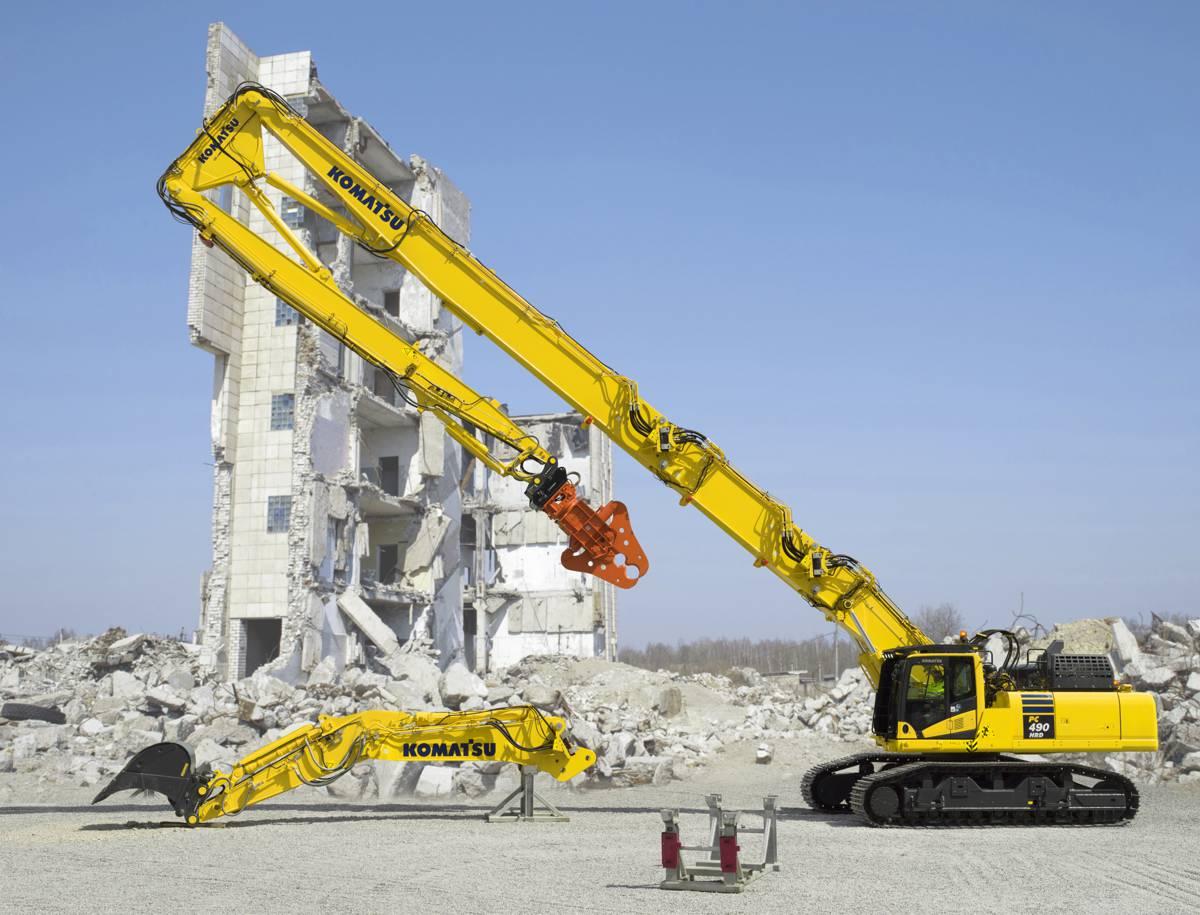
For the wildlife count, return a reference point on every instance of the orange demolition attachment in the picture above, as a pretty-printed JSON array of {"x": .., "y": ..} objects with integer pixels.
[{"x": 602, "y": 541}]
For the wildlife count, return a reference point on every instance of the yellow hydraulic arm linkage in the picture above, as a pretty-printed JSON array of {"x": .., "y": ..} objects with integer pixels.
[
  {"x": 320, "y": 753},
  {"x": 229, "y": 151}
]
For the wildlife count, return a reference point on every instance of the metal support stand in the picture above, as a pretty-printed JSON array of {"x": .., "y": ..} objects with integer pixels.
[
  {"x": 527, "y": 811},
  {"x": 722, "y": 871}
]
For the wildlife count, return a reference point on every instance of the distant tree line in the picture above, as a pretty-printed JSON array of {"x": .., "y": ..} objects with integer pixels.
[
  {"x": 718, "y": 656},
  {"x": 819, "y": 656}
]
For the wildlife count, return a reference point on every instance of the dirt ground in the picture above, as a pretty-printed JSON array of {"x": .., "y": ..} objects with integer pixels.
[{"x": 307, "y": 852}]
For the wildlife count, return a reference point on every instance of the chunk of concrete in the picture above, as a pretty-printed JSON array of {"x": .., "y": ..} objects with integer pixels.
[
  {"x": 472, "y": 781},
  {"x": 227, "y": 731},
  {"x": 126, "y": 686},
  {"x": 24, "y": 747},
  {"x": 165, "y": 697},
  {"x": 435, "y": 781},
  {"x": 1125, "y": 643},
  {"x": 324, "y": 672},
  {"x": 209, "y": 752},
  {"x": 544, "y": 697},
  {"x": 586, "y": 734},
  {"x": 92, "y": 727},
  {"x": 125, "y": 650},
  {"x": 670, "y": 702},
  {"x": 417, "y": 670},
  {"x": 179, "y": 729},
  {"x": 180, "y": 679},
  {"x": 368, "y": 621},
  {"x": 1174, "y": 633},
  {"x": 458, "y": 684},
  {"x": 1158, "y": 676},
  {"x": 270, "y": 691},
  {"x": 501, "y": 693},
  {"x": 427, "y": 540},
  {"x": 620, "y": 745}
]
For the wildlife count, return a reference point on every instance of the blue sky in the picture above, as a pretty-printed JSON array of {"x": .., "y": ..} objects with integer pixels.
[{"x": 927, "y": 272}]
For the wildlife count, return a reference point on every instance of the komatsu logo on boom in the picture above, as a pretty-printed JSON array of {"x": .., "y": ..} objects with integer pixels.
[
  {"x": 222, "y": 135},
  {"x": 359, "y": 193},
  {"x": 425, "y": 749}
]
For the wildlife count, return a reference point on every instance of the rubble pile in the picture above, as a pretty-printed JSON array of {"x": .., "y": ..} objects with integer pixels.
[
  {"x": 653, "y": 726},
  {"x": 75, "y": 713},
  {"x": 1166, "y": 663}
]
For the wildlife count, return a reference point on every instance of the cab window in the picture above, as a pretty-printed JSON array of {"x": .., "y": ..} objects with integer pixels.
[
  {"x": 925, "y": 693},
  {"x": 961, "y": 685}
]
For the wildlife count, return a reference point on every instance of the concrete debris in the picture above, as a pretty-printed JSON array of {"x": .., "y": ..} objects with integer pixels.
[
  {"x": 19, "y": 711},
  {"x": 369, "y": 622},
  {"x": 458, "y": 685},
  {"x": 118, "y": 693},
  {"x": 435, "y": 781},
  {"x": 1125, "y": 646}
]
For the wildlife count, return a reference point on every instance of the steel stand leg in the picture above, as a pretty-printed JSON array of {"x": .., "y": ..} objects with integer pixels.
[{"x": 528, "y": 811}]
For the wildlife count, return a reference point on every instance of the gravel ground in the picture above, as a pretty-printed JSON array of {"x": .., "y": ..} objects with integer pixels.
[{"x": 307, "y": 852}]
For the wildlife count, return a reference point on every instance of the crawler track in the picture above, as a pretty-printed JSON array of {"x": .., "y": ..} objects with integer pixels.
[
  {"x": 1002, "y": 791},
  {"x": 827, "y": 787}
]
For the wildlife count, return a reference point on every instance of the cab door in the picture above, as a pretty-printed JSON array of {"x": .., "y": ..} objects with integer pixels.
[{"x": 939, "y": 698}]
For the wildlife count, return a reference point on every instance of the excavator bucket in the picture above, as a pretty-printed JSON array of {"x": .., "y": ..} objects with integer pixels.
[{"x": 166, "y": 768}]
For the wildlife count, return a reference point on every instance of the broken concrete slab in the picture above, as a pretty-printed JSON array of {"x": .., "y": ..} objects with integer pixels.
[
  {"x": 458, "y": 684},
  {"x": 419, "y": 670},
  {"x": 1125, "y": 644},
  {"x": 544, "y": 697},
  {"x": 25, "y": 711},
  {"x": 435, "y": 781},
  {"x": 368, "y": 622},
  {"x": 165, "y": 697},
  {"x": 126, "y": 686}
]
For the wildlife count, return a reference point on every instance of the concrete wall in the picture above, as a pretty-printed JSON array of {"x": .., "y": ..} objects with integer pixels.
[{"x": 524, "y": 601}]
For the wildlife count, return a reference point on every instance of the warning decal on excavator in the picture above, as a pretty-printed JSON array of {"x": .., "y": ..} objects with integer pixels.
[{"x": 1038, "y": 709}]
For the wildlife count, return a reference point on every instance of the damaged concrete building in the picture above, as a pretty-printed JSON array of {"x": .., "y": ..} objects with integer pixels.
[
  {"x": 339, "y": 526},
  {"x": 518, "y": 599}
]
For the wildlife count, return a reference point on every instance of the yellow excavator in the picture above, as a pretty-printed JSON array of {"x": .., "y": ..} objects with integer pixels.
[
  {"x": 319, "y": 754},
  {"x": 951, "y": 720}
]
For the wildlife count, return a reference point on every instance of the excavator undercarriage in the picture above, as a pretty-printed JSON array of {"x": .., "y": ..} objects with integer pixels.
[{"x": 902, "y": 789}]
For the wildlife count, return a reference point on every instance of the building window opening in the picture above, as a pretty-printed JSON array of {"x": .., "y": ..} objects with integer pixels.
[
  {"x": 292, "y": 213},
  {"x": 391, "y": 302},
  {"x": 261, "y": 639},
  {"x": 389, "y": 563},
  {"x": 283, "y": 412},
  {"x": 285, "y": 314},
  {"x": 389, "y": 475},
  {"x": 279, "y": 514},
  {"x": 224, "y": 198}
]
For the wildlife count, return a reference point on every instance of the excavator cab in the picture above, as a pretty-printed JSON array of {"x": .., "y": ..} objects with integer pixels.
[{"x": 929, "y": 692}]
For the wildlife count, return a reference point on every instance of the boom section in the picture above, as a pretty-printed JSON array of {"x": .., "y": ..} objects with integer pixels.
[
  {"x": 229, "y": 151},
  {"x": 318, "y": 754}
]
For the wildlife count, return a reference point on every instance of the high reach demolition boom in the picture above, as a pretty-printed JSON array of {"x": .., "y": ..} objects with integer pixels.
[{"x": 229, "y": 151}]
